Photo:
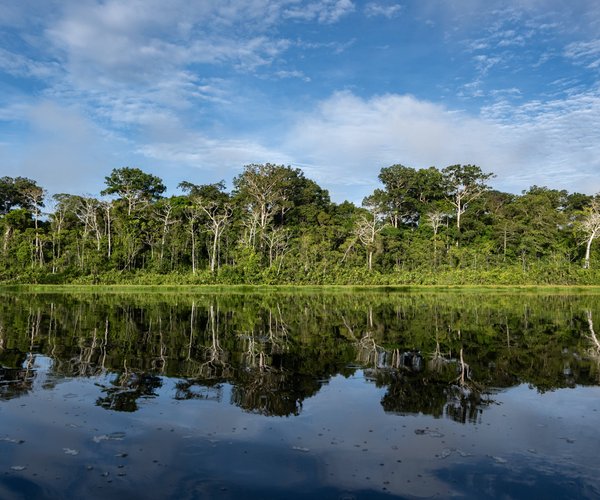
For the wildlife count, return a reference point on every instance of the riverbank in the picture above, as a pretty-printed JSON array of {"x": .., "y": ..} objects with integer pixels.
[
  {"x": 299, "y": 289},
  {"x": 508, "y": 276}
]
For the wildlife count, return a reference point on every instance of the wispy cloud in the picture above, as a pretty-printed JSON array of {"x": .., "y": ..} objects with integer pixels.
[
  {"x": 199, "y": 156},
  {"x": 585, "y": 53},
  {"x": 141, "y": 60},
  {"x": 208, "y": 86},
  {"x": 373, "y": 9},
  {"x": 21, "y": 66},
  {"x": 292, "y": 74},
  {"x": 324, "y": 11},
  {"x": 136, "y": 49},
  {"x": 336, "y": 47}
]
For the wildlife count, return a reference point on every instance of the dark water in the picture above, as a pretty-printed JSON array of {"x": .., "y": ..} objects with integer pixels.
[{"x": 345, "y": 395}]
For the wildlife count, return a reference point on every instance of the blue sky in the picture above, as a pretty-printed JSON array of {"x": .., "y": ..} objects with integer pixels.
[{"x": 340, "y": 88}]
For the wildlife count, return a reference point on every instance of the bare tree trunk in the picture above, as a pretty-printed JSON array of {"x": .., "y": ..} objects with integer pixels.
[
  {"x": 588, "y": 247},
  {"x": 591, "y": 225},
  {"x": 504, "y": 244},
  {"x": 213, "y": 257},
  {"x": 7, "y": 235},
  {"x": 108, "y": 229},
  {"x": 193, "y": 248},
  {"x": 39, "y": 255}
]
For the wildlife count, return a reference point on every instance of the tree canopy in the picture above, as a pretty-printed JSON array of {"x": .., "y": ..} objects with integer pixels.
[
  {"x": 133, "y": 186},
  {"x": 425, "y": 225}
]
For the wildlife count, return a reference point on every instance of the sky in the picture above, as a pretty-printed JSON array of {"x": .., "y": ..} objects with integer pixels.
[{"x": 195, "y": 90}]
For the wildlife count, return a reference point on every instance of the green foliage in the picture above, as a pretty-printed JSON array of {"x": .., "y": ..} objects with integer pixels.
[
  {"x": 19, "y": 192},
  {"x": 422, "y": 226}
]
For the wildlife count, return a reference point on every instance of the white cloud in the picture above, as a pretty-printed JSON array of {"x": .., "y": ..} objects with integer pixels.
[
  {"x": 137, "y": 61},
  {"x": 141, "y": 36},
  {"x": 485, "y": 63},
  {"x": 323, "y": 11},
  {"x": 151, "y": 72},
  {"x": 354, "y": 137},
  {"x": 192, "y": 156},
  {"x": 373, "y": 9},
  {"x": 557, "y": 144},
  {"x": 199, "y": 151},
  {"x": 63, "y": 150},
  {"x": 584, "y": 53},
  {"x": 22, "y": 66},
  {"x": 344, "y": 141},
  {"x": 15, "y": 111},
  {"x": 134, "y": 44},
  {"x": 292, "y": 74}
]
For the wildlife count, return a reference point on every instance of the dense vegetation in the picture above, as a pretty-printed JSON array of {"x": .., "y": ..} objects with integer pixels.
[{"x": 426, "y": 226}]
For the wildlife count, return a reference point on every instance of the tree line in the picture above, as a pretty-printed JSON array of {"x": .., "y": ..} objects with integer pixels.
[{"x": 425, "y": 225}]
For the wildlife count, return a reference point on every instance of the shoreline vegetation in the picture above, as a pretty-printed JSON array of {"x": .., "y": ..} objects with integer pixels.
[
  {"x": 421, "y": 228},
  {"x": 297, "y": 289},
  {"x": 309, "y": 290}
]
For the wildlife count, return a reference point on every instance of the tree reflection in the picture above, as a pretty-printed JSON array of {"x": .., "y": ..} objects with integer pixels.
[
  {"x": 263, "y": 385},
  {"x": 210, "y": 361},
  {"x": 127, "y": 389},
  {"x": 436, "y": 354},
  {"x": 15, "y": 382},
  {"x": 444, "y": 386},
  {"x": 191, "y": 389},
  {"x": 594, "y": 349}
]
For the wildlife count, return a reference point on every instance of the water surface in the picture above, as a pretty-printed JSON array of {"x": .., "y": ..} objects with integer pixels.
[{"x": 343, "y": 395}]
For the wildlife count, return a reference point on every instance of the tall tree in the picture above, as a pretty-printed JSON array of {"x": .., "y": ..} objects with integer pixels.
[
  {"x": 465, "y": 183},
  {"x": 26, "y": 194},
  {"x": 134, "y": 186},
  {"x": 591, "y": 226},
  {"x": 212, "y": 201},
  {"x": 367, "y": 229},
  {"x": 535, "y": 222},
  {"x": 435, "y": 218},
  {"x": 33, "y": 196},
  {"x": 19, "y": 192},
  {"x": 266, "y": 192},
  {"x": 406, "y": 194}
]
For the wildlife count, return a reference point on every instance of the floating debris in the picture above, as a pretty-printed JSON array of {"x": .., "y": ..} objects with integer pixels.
[
  {"x": 113, "y": 436},
  {"x": 300, "y": 448},
  {"x": 11, "y": 440},
  {"x": 429, "y": 432},
  {"x": 70, "y": 451}
]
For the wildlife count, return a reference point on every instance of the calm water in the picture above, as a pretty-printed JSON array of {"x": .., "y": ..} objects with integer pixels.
[{"x": 345, "y": 395}]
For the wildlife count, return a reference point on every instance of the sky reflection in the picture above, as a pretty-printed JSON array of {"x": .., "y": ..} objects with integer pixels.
[{"x": 58, "y": 442}]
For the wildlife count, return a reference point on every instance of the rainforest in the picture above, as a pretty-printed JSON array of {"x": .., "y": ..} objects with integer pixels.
[{"x": 425, "y": 226}]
